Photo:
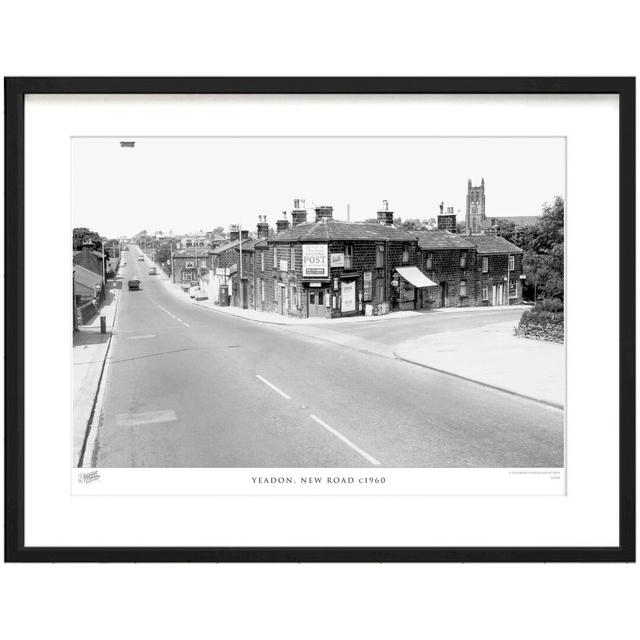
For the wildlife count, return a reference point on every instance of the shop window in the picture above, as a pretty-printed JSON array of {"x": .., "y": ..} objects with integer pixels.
[
  {"x": 380, "y": 255},
  {"x": 485, "y": 293},
  {"x": 485, "y": 265},
  {"x": 262, "y": 290},
  {"x": 348, "y": 257},
  {"x": 429, "y": 264},
  {"x": 512, "y": 263},
  {"x": 405, "y": 254},
  {"x": 463, "y": 260},
  {"x": 513, "y": 288},
  {"x": 463, "y": 288}
]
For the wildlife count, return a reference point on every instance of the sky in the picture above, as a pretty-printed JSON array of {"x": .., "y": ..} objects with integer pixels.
[{"x": 185, "y": 185}]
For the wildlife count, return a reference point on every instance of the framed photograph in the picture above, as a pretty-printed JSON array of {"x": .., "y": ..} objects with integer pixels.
[{"x": 320, "y": 319}]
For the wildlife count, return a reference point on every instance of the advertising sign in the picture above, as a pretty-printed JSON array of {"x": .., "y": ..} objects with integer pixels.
[
  {"x": 315, "y": 260},
  {"x": 188, "y": 276},
  {"x": 189, "y": 265},
  {"x": 337, "y": 259},
  {"x": 348, "y": 302},
  {"x": 368, "y": 288}
]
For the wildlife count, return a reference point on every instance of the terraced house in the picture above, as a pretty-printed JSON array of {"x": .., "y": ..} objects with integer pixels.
[{"x": 327, "y": 268}]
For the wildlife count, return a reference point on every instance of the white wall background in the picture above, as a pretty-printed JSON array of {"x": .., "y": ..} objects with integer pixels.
[{"x": 320, "y": 38}]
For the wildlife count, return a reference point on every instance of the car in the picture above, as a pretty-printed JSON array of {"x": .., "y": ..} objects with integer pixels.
[
  {"x": 201, "y": 295},
  {"x": 134, "y": 285},
  {"x": 141, "y": 259},
  {"x": 153, "y": 271}
]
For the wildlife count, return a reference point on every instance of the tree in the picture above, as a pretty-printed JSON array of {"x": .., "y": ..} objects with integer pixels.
[
  {"x": 410, "y": 224},
  {"x": 543, "y": 244}
]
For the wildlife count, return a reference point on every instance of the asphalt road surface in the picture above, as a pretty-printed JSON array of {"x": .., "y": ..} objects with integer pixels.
[{"x": 187, "y": 386}]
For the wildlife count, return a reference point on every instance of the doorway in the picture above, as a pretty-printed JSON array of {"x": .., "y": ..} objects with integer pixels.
[
  {"x": 444, "y": 291},
  {"x": 317, "y": 301}
]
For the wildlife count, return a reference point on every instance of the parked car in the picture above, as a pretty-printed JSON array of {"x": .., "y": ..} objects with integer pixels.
[
  {"x": 201, "y": 295},
  {"x": 153, "y": 271},
  {"x": 134, "y": 285}
]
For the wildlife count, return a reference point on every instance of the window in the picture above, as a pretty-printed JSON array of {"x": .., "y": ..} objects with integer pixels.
[
  {"x": 485, "y": 293},
  {"x": 512, "y": 263},
  {"x": 348, "y": 257},
  {"x": 262, "y": 290},
  {"x": 485, "y": 265},
  {"x": 262, "y": 261},
  {"x": 380, "y": 255},
  {"x": 429, "y": 264},
  {"x": 463, "y": 288},
  {"x": 463, "y": 260},
  {"x": 405, "y": 254},
  {"x": 275, "y": 257},
  {"x": 292, "y": 262},
  {"x": 513, "y": 288},
  {"x": 380, "y": 290}
]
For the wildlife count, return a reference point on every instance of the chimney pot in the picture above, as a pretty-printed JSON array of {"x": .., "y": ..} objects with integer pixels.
[
  {"x": 324, "y": 213},
  {"x": 384, "y": 215}
]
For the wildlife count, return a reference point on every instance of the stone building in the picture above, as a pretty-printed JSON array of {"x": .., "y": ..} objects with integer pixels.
[
  {"x": 327, "y": 268},
  {"x": 499, "y": 270},
  {"x": 449, "y": 260}
]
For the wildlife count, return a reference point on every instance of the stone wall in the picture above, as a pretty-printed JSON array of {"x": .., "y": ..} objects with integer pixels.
[{"x": 542, "y": 325}]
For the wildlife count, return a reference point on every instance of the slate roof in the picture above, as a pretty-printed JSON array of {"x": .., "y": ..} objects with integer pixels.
[
  {"x": 328, "y": 229},
  {"x": 442, "y": 240},
  {"x": 227, "y": 246},
  {"x": 493, "y": 244},
  {"x": 95, "y": 253},
  {"x": 202, "y": 252},
  {"x": 85, "y": 277}
]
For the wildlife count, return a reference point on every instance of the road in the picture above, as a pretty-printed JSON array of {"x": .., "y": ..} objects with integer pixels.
[{"x": 187, "y": 386}]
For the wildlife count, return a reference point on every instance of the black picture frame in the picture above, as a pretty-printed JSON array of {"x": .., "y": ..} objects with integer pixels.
[{"x": 15, "y": 91}]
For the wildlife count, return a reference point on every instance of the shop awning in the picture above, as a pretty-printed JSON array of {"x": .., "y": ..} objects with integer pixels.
[{"x": 415, "y": 277}]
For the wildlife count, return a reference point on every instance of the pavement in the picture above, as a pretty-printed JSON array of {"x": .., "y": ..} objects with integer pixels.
[
  {"x": 491, "y": 355},
  {"x": 90, "y": 348},
  {"x": 185, "y": 386}
]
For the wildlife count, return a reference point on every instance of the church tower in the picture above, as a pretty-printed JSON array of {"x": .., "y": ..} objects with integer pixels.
[{"x": 475, "y": 215}]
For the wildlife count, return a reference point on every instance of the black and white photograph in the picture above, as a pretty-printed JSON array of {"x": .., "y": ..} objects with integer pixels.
[{"x": 318, "y": 302}]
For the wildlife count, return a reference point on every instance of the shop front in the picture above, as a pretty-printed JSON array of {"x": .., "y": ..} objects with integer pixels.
[{"x": 410, "y": 285}]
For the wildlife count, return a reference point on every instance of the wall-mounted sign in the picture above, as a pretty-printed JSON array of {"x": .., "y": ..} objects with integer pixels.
[
  {"x": 315, "y": 284},
  {"x": 367, "y": 286},
  {"x": 283, "y": 265},
  {"x": 315, "y": 260},
  {"x": 189, "y": 264},
  {"x": 188, "y": 276},
  {"x": 337, "y": 259},
  {"x": 348, "y": 298},
  {"x": 336, "y": 284}
]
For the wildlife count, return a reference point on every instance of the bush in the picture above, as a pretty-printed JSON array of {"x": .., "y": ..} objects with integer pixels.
[{"x": 553, "y": 305}]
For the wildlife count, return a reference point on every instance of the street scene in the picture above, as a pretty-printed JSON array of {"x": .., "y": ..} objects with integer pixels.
[{"x": 320, "y": 341}]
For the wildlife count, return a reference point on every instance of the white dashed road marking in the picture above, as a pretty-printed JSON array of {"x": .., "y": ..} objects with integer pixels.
[
  {"x": 145, "y": 417},
  {"x": 282, "y": 393},
  {"x": 174, "y": 317},
  {"x": 348, "y": 442}
]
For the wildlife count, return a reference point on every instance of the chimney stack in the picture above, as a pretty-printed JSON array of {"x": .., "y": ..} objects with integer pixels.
[
  {"x": 283, "y": 224},
  {"x": 384, "y": 215},
  {"x": 234, "y": 233},
  {"x": 324, "y": 213},
  {"x": 262, "y": 227},
  {"x": 447, "y": 221},
  {"x": 299, "y": 213}
]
